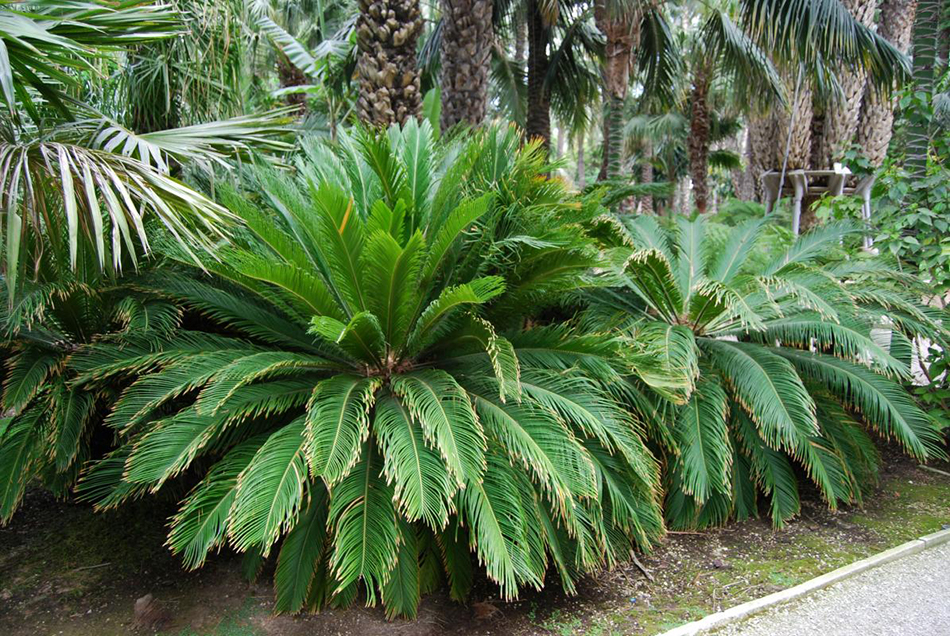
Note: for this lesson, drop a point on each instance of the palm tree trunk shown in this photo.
(538, 125)
(926, 27)
(620, 28)
(840, 121)
(698, 142)
(877, 111)
(387, 31)
(466, 55)
(289, 75)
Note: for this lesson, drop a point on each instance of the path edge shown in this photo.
(739, 612)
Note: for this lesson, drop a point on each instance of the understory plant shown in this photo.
(60, 309)
(776, 365)
(369, 393)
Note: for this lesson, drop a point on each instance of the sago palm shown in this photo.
(781, 365)
(60, 310)
(372, 391)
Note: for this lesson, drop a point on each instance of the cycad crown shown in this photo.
(758, 363)
(375, 400)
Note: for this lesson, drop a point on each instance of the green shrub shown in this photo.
(364, 398)
(776, 366)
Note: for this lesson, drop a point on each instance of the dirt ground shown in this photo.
(65, 570)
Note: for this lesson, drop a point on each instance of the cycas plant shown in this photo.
(60, 310)
(780, 364)
(378, 396)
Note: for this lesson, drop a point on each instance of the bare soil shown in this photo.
(67, 570)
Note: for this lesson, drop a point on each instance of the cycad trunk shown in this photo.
(926, 28)
(698, 142)
(538, 125)
(621, 32)
(387, 31)
(466, 50)
(840, 122)
(877, 111)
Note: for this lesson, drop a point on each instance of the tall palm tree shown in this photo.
(808, 40)
(877, 109)
(841, 113)
(620, 24)
(387, 32)
(722, 52)
(467, 38)
(562, 46)
(638, 38)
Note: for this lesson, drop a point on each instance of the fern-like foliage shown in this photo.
(364, 395)
(55, 314)
(755, 365)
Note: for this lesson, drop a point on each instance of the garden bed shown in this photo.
(65, 570)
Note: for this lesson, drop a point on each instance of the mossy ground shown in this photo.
(66, 570)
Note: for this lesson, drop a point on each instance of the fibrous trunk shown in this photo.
(698, 142)
(620, 30)
(877, 110)
(289, 75)
(926, 27)
(387, 31)
(538, 125)
(466, 50)
(840, 120)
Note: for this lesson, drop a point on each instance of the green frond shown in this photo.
(201, 522)
(768, 389)
(883, 404)
(20, 452)
(422, 486)
(442, 409)
(25, 374)
(337, 424)
(169, 447)
(300, 553)
(365, 531)
(270, 491)
(402, 590)
(393, 272)
(702, 439)
(495, 514)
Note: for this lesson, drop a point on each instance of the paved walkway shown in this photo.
(908, 597)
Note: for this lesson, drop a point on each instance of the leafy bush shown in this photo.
(364, 385)
(781, 367)
(55, 314)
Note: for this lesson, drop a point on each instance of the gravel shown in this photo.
(910, 596)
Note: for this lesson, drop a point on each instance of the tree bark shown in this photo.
(621, 30)
(926, 27)
(538, 125)
(698, 142)
(289, 75)
(466, 56)
(839, 122)
(387, 31)
(877, 110)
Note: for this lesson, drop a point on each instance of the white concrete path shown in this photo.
(907, 597)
